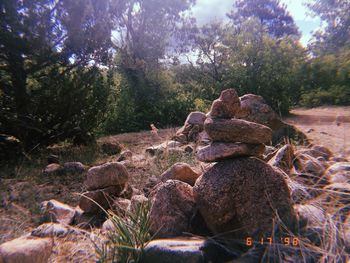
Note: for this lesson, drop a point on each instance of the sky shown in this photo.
(207, 10)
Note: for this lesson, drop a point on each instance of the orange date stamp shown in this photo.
(286, 241)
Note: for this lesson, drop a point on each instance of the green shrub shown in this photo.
(130, 235)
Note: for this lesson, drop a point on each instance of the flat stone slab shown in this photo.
(176, 250)
(237, 130)
(219, 151)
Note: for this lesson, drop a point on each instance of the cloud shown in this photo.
(209, 10)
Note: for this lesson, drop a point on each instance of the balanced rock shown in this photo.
(182, 172)
(241, 196)
(172, 208)
(236, 130)
(25, 249)
(217, 151)
(108, 174)
(226, 106)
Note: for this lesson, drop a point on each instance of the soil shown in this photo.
(327, 126)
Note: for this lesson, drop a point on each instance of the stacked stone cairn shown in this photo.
(240, 194)
(232, 137)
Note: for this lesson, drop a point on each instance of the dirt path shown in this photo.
(328, 126)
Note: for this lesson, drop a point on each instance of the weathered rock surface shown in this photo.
(103, 197)
(172, 208)
(313, 215)
(217, 151)
(337, 194)
(181, 172)
(255, 109)
(138, 201)
(283, 159)
(105, 175)
(314, 152)
(310, 167)
(226, 106)
(338, 172)
(191, 129)
(236, 130)
(108, 225)
(240, 196)
(323, 151)
(58, 212)
(121, 205)
(26, 250)
(54, 230)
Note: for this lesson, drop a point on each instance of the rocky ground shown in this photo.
(214, 177)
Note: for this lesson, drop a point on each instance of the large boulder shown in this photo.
(172, 208)
(226, 106)
(255, 109)
(105, 175)
(25, 249)
(240, 197)
(181, 172)
(236, 130)
(217, 151)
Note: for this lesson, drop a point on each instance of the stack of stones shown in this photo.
(232, 137)
(239, 196)
(104, 183)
